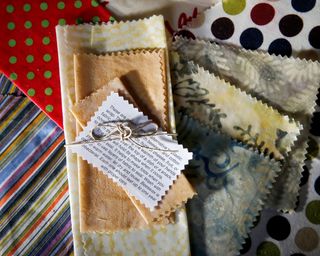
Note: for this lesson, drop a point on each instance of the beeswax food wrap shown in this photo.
(143, 74)
(146, 33)
(102, 202)
(231, 180)
(287, 84)
(196, 91)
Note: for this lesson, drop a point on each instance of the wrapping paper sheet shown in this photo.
(147, 33)
(28, 46)
(280, 27)
(35, 214)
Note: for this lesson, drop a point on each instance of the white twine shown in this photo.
(124, 130)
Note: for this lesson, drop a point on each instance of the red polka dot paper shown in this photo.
(288, 27)
(28, 47)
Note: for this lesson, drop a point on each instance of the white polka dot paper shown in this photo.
(294, 234)
(279, 27)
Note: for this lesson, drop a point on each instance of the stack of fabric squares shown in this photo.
(183, 128)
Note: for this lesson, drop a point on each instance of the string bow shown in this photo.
(124, 130)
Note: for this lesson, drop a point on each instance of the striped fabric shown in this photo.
(34, 205)
(7, 87)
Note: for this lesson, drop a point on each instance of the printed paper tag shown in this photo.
(144, 173)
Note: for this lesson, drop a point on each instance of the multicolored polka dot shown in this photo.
(47, 74)
(290, 25)
(45, 23)
(267, 249)
(48, 91)
(13, 60)
(13, 76)
(10, 8)
(314, 37)
(222, 28)
(31, 92)
(251, 38)
(313, 212)
(46, 40)
(30, 58)
(28, 24)
(307, 239)
(94, 3)
(61, 5)
(44, 6)
(234, 7)
(27, 7)
(95, 19)
(285, 28)
(12, 43)
(77, 4)
(11, 26)
(49, 108)
(262, 14)
(29, 41)
(281, 47)
(62, 22)
(47, 57)
(278, 227)
(303, 6)
(30, 75)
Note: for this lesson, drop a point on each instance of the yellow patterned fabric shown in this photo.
(146, 33)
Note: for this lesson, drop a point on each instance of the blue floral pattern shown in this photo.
(231, 181)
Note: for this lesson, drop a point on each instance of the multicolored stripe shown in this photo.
(34, 205)
(7, 87)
